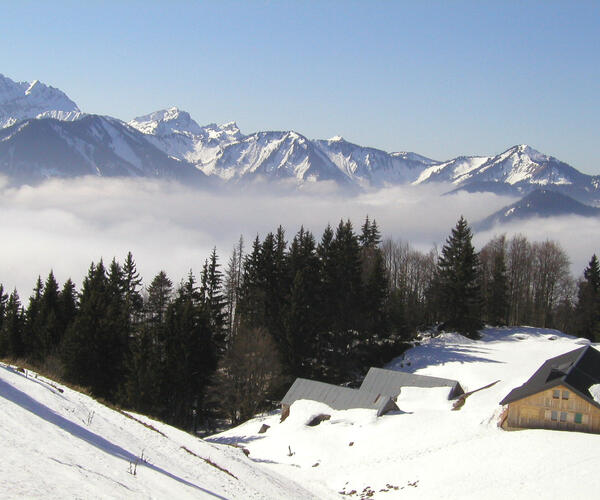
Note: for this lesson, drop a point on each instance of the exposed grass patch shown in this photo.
(209, 462)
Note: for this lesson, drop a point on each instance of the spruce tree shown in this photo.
(32, 341)
(190, 357)
(49, 328)
(587, 311)
(327, 306)
(11, 335)
(301, 311)
(457, 279)
(3, 301)
(145, 385)
(132, 284)
(215, 301)
(498, 291)
(67, 305)
(95, 346)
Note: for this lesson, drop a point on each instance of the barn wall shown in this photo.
(535, 411)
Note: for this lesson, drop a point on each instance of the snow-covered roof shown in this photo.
(338, 398)
(578, 369)
(390, 382)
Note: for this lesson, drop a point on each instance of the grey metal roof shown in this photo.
(390, 382)
(338, 398)
(578, 370)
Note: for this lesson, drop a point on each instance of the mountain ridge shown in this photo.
(171, 144)
(541, 203)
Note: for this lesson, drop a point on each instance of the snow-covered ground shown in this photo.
(428, 450)
(58, 443)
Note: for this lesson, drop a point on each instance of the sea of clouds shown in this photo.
(64, 225)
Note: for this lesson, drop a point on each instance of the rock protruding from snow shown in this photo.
(23, 100)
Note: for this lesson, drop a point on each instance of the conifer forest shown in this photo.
(225, 343)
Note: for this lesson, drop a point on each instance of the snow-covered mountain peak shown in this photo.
(166, 122)
(230, 127)
(23, 100)
(525, 151)
(336, 138)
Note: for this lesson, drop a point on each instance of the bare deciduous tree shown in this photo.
(247, 375)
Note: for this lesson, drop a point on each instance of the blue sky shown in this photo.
(438, 78)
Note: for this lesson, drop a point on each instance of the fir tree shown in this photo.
(190, 357)
(32, 343)
(457, 279)
(587, 312)
(147, 374)
(49, 330)
(95, 347)
(301, 314)
(215, 301)
(67, 305)
(3, 300)
(498, 291)
(132, 284)
(11, 335)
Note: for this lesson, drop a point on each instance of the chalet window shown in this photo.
(563, 416)
(565, 395)
(578, 418)
(554, 416)
(556, 394)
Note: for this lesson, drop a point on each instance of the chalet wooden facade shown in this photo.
(558, 395)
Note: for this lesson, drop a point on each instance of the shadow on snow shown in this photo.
(28, 403)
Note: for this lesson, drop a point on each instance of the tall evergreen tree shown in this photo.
(458, 284)
(49, 330)
(215, 301)
(67, 305)
(11, 335)
(301, 314)
(95, 347)
(498, 291)
(146, 381)
(587, 311)
(347, 321)
(132, 284)
(326, 308)
(3, 301)
(190, 357)
(252, 296)
(32, 343)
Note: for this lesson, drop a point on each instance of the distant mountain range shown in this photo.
(541, 203)
(44, 134)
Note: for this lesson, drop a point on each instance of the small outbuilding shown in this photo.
(336, 397)
(391, 382)
(564, 393)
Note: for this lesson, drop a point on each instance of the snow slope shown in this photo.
(428, 451)
(58, 443)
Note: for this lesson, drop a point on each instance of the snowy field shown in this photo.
(429, 451)
(58, 443)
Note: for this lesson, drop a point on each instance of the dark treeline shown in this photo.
(222, 345)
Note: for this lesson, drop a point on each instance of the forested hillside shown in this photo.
(226, 343)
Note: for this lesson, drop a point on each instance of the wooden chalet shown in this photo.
(557, 396)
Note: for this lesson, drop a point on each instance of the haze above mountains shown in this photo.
(44, 135)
